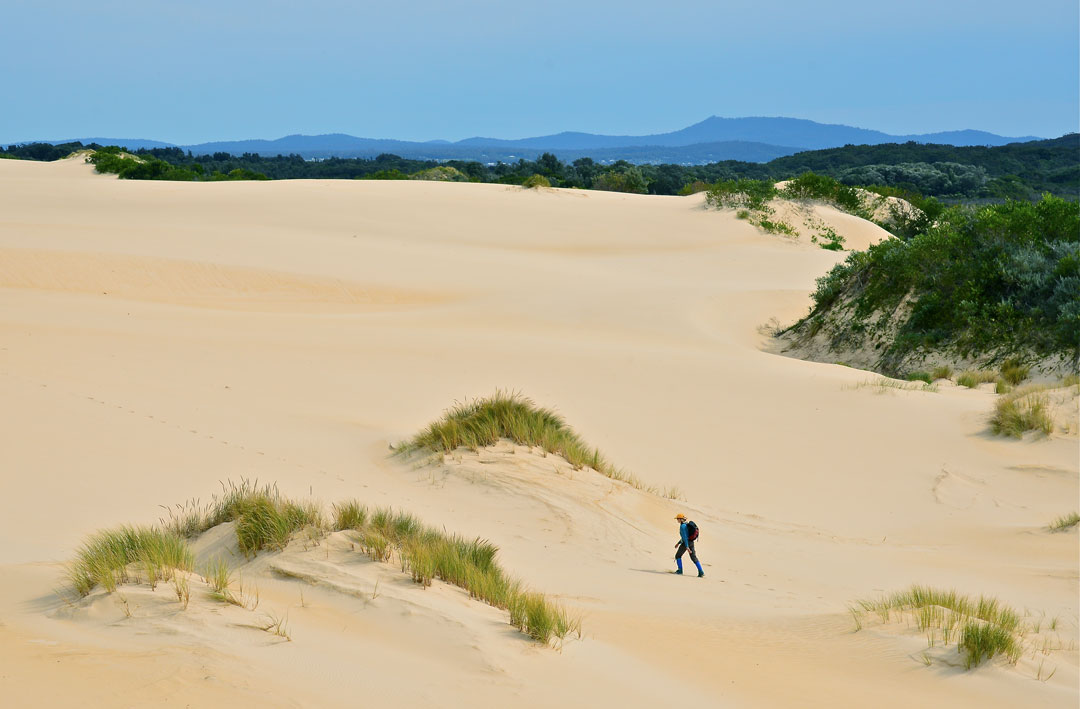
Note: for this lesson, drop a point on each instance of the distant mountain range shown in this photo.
(711, 140)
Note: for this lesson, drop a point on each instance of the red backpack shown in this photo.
(691, 530)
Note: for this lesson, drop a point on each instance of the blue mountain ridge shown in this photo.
(754, 139)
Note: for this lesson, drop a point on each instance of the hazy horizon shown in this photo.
(424, 71)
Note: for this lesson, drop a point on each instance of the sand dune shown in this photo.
(157, 338)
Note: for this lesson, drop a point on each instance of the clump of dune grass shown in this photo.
(1065, 522)
(884, 385)
(984, 641)
(942, 372)
(920, 377)
(1013, 372)
(974, 377)
(264, 518)
(427, 554)
(981, 628)
(484, 422)
(1025, 409)
(1070, 380)
(106, 557)
(349, 515)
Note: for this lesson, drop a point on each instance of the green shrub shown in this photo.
(811, 186)
(628, 179)
(536, 181)
(920, 377)
(996, 278)
(753, 195)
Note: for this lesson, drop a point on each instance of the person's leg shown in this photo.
(693, 558)
(678, 556)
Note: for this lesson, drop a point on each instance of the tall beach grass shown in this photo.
(112, 557)
(508, 415)
(427, 553)
(982, 628)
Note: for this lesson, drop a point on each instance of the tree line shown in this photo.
(1016, 171)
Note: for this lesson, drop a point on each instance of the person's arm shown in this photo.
(682, 533)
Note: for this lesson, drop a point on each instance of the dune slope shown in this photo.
(157, 338)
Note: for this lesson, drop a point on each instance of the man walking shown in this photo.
(688, 533)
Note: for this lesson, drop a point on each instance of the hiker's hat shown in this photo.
(680, 517)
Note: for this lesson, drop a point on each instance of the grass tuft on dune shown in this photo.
(982, 628)
(427, 554)
(1065, 522)
(104, 559)
(1025, 409)
(265, 519)
(484, 422)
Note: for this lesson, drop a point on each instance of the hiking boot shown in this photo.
(701, 574)
(679, 571)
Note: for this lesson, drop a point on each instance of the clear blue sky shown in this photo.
(187, 71)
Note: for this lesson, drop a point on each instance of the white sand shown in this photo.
(156, 338)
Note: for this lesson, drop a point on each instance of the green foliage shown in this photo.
(114, 160)
(1020, 411)
(920, 377)
(536, 181)
(628, 179)
(753, 195)
(104, 558)
(1017, 171)
(393, 174)
(828, 239)
(996, 278)
(440, 173)
(811, 186)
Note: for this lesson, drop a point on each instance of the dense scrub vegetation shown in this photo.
(992, 280)
(1019, 170)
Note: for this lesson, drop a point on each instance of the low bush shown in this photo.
(921, 377)
(980, 281)
(536, 181)
(753, 195)
(811, 186)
